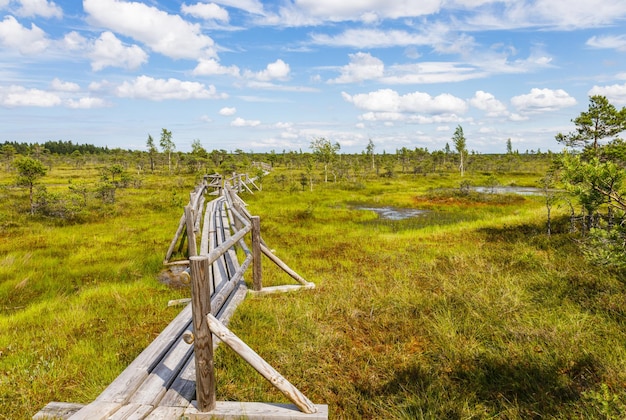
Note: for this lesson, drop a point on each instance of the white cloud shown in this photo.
(371, 38)
(557, 14)
(432, 72)
(365, 10)
(387, 100)
(62, 86)
(43, 8)
(167, 34)
(362, 66)
(15, 96)
(212, 67)
(542, 100)
(27, 41)
(73, 41)
(488, 103)
(609, 42)
(86, 103)
(144, 87)
(250, 6)
(227, 112)
(240, 122)
(209, 11)
(278, 70)
(616, 94)
(108, 51)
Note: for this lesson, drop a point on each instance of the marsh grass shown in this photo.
(471, 312)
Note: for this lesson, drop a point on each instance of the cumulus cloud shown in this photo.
(73, 41)
(240, 122)
(616, 94)
(166, 34)
(212, 67)
(62, 86)
(388, 100)
(487, 102)
(27, 41)
(543, 100)
(109, 51)
(43, 8)
(145, 87)
(86, 103)
(228, 111)
(208, 11)
(362, 66)
(15, 96)
(278, 70)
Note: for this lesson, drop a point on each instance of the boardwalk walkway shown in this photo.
(161, 382)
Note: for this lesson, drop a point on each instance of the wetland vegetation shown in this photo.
(469, 310)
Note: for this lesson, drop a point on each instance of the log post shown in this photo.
(203, 341)
(257, 276)
(191, 236)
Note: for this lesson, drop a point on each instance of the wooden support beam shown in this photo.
(229, 410)
(265, 369)
(257, 276)
(179, 231)
(203, 341)
(283, 266)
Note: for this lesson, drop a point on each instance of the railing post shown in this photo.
(191, 236)
(203, 341)
(257, 276)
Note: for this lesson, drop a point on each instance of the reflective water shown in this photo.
(509, 190)
(393, 213)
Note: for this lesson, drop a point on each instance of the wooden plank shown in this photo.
(230, 256)
(57, 410)
(166, 413)
(97, 410)
(183, 390)
(233, 410)
(204, 237)
(131, 412)
(164, 373)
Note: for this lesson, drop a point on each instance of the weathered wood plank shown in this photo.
(164, 373)
(57, 410)
(233, 410)
(166, 413)
(282, 289)
(97, 410)
(131, 412)
(204, 237)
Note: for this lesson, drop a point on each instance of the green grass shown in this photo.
(469, 312)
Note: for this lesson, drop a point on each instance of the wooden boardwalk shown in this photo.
(161, 382)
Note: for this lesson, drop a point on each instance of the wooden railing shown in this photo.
(159, 383)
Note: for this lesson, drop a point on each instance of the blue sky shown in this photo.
(274, 75)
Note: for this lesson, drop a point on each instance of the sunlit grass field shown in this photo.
(467, 311)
